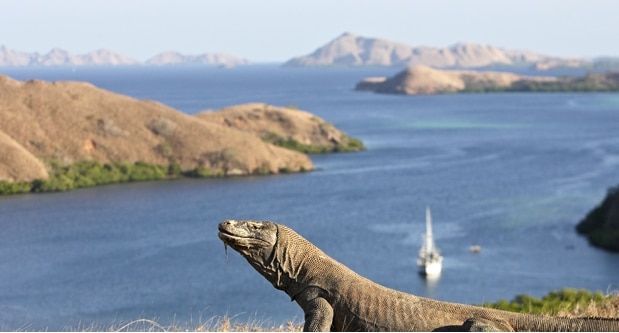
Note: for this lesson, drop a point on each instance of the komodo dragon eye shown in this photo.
(254, 226)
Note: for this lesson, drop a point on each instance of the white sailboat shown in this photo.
(430, 261)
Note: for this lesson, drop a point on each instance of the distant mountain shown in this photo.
(352, 50)
(60, 57)
(175, 58)
(103, 57)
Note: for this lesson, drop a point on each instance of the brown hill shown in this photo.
(281, 124)
(417, 80)
(71, 121)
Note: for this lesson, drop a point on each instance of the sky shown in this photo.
(277, 30)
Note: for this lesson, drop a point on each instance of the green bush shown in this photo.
(175, 170)
(142, 171)
(351, 144)
(202, 172)
(554, 302)
(14, 188)
(262, 170)
(90, 173)
(593, 82)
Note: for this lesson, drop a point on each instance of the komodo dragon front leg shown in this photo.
(318, 311)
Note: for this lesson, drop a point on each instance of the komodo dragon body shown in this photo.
(333, 297)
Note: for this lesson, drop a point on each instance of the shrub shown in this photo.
(90, 173)
(350, 144)
(162, 126)
(566, 300)
(14, 187)
(202, 172)
(174, 169)
(142, 171)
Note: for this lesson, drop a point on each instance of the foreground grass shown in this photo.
(564, 303)
(215, 324)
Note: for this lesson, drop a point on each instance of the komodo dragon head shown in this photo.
(274, 250)
(254, 240)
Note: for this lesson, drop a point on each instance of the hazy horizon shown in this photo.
(277, 30)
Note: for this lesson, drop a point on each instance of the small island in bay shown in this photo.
(423, 80)
(62, 135)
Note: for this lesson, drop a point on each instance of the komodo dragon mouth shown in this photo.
(242, 234)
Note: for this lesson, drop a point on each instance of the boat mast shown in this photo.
(429, 239)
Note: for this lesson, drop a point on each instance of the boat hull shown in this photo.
(431, 269)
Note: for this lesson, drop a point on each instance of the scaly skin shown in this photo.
(334, 298)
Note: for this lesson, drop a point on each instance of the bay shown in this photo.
(513, 173)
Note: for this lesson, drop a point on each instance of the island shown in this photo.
(423, 80)
(62, 135)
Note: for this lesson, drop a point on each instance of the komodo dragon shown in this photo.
(333, 297)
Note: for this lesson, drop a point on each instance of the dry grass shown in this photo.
(608, 309)
(214, 324)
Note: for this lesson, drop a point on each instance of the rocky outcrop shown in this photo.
(601, 225)
(422, 80)
(285, 126)
(352, 50)
(72, 121)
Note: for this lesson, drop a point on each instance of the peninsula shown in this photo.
(423, 80)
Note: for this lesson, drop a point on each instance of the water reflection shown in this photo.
(431, 283)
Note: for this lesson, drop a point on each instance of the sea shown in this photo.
(512, 173)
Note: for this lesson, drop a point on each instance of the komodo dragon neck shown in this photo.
(296, 264)
(333, 297)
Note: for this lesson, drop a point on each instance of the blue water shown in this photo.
(513, 173)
